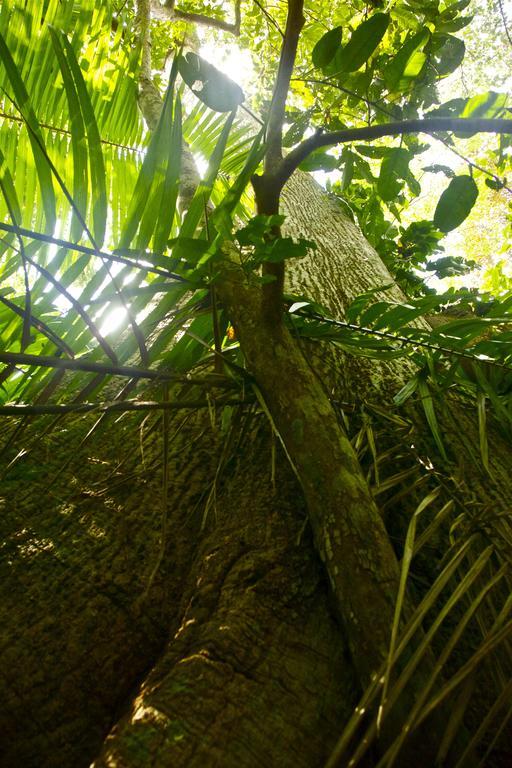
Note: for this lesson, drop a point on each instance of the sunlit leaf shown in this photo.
(456, 203)
(325, 49)
(362, 44)
(209, 84)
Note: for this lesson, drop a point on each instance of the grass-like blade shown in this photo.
(96, 161)
(169, 196)
(78, 137)
(428, 406)
(23, 103)
(203, 192)
(11, 199)
(143, 193)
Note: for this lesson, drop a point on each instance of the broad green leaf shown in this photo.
(447, 52)
(393, 171)
(407, 390)
(407, 63)
(202, 194)
(455, 203)
(326, 48)
(9, 193)
(154, 166)
(490, 104)
(319, 161)
(222, 215)
(169, 195)
(362, 44)
(216, 89)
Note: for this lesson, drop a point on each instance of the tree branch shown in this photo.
(379, 108)
(429, 125)
(142, 20)
(294, 24)
(266, 189)
(168, 12)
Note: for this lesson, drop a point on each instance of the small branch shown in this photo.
(168, 12)
(474, 165)
(39, 325)
(403, 340)
(504, 19)
(269, 17)
(65, 132)
(91, 251)
(430, 125)
(125, 405)
(44, 361)
(294, 24)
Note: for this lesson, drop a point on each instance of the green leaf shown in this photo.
(393, 171)
(196, 209)
(96, 162)
(406, 64)
(448, 172)
(297, 129)
(447, 52)
(326, 48)
(428, 406)
(362, 44)
(407, 390)
(490, 104)
(78, 139)
(319, 160)
(482, 429)
(169, 194)
(216, 89)
(154, 167)
(34, 133)
(455, 203)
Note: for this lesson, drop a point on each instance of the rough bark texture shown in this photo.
(236, 628)
(234, 656)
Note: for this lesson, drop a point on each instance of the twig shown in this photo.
(168, 12)
(65, 132)
(90, 251)
(39, 325)
(125, 405)
(269, 17)
(402, 339)
(44, 361)
(504, 18)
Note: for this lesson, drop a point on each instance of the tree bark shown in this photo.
(234, 655)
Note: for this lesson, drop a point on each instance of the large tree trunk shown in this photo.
(231, 654)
